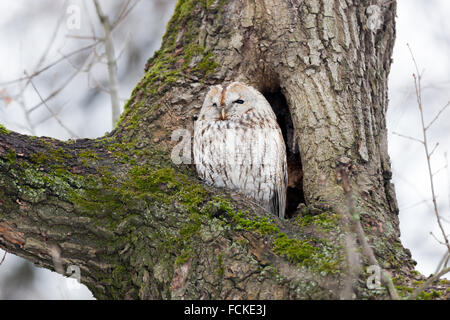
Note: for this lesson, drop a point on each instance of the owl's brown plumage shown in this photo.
(239, 145)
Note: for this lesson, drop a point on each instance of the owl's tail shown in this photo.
(277, 204)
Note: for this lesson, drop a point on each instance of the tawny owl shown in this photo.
(239, 145)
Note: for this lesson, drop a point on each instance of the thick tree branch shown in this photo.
(37, 178)
(137, 231)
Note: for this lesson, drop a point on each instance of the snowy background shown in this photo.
(28, 29)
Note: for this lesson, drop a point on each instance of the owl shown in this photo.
(238, 145)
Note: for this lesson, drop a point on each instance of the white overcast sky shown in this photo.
(424, 24)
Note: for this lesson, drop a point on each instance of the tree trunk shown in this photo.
(140, 225)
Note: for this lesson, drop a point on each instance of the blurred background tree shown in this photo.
(59, 45)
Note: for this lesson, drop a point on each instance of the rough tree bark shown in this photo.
(140, 226)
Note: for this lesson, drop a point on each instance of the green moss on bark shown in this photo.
(3, 130)
(181, 56)
(318, 254)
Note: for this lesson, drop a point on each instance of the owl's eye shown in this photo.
(215, 105)
(239, 101)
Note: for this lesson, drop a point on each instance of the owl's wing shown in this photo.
(280, 174)
(281, 191)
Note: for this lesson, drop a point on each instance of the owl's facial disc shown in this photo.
(227, 103)
(223, 107)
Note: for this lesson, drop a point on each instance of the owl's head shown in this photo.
(234, 102)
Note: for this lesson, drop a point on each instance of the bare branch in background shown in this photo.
(436, 238)
(63, 58)
(52, 39)
(70, 132)
(442, 268)
(439, 170)
(437, 116)
(57, 112)
(50, 80)
(443, 263)
(126, 9)
(64, 85)
(417, 85)
(111, 62)
(30, 126)
(432, 151)
(92, 58)
(408, 137)
(19, 97)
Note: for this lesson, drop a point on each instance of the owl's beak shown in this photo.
(223, 113)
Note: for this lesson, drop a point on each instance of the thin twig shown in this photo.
(434, 149)
(20, 96)
(438, 170)
(126, 45)
(123, 10)
(437, 116)
(408, 137)
(52, 38)
(436, 238)
(91, 25)
(26, 112)
(124, 13)
(3, 259)
(417, 85)
(443, 263)
(112, 64)
(64, 57)
(71, 133)
(57, 112)
(85, 37)
(96, 84)
(62, 87)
